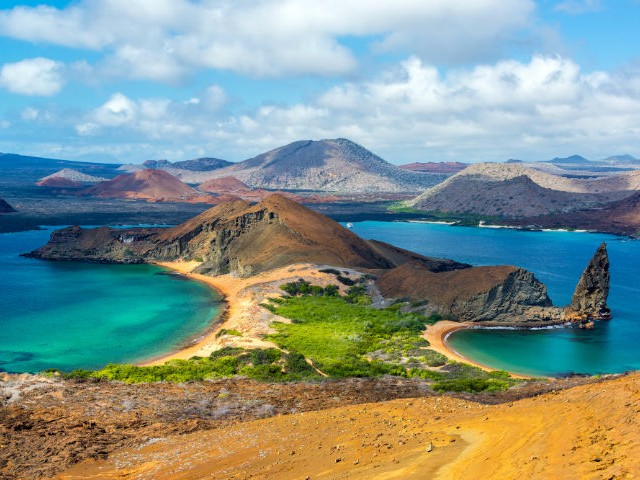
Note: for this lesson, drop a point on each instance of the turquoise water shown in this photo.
(557, 259)
(74, 315)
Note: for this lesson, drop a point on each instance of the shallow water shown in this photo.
(71, 315)
(557, 259)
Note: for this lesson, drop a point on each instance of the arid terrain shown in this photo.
(378, 428)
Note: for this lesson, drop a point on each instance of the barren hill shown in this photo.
(236, 237)
(68, 177)
(144, 184)
(515, 190)
(327, 165)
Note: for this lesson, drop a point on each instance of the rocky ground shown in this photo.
(48, 424)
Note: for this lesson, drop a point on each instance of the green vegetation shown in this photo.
(259, 364)
(340, 336)
(350, 339)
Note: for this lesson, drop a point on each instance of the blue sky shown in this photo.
(444, 80)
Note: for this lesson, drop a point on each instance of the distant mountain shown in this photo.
(156, 164)
(435, 167)
(573, 159)
(26, 170)
(205, 164)
(68, 177)
(338, 166)
(144, 184)
(5, 207)
(516, 191)
(513, 160)
(623, 159)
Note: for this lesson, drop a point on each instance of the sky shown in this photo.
(411, 80)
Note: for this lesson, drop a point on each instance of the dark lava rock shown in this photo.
(590, 297)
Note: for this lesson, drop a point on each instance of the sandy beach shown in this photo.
(437, 334)
(243, 313)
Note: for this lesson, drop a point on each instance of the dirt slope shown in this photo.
(586, 432)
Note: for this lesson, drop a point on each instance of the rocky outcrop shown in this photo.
(99, 245)
(589, 300)
(501, 294)
(5, 207)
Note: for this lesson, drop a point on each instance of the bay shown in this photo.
(557, 258)
(70, 315)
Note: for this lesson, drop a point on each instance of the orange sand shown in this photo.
(588, 432)
(244, 313)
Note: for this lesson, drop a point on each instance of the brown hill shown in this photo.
(5, 207)
(246, 239)
(235, 237)
(144, 184)
(435, 167)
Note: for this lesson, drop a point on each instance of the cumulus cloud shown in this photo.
(537, 109)
(165, 40)
(34, 76)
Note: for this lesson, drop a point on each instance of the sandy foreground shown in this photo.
(244, 314)
(587, 432)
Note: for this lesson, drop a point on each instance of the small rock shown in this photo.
(430, 447)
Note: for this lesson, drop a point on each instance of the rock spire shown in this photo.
(590, 297)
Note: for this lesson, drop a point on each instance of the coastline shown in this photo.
(242, 310)
(437, 335)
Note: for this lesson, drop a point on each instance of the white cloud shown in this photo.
(533, 110)
(34, 76)
(165, 40)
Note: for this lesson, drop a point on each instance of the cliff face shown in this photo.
(590, 297)
(484, 294)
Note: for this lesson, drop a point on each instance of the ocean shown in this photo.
(557, 258)
(70, 315)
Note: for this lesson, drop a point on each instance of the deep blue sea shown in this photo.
(557, 259)
(71, 315)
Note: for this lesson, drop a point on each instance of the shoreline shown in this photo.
(437, 335)
(242, 312)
